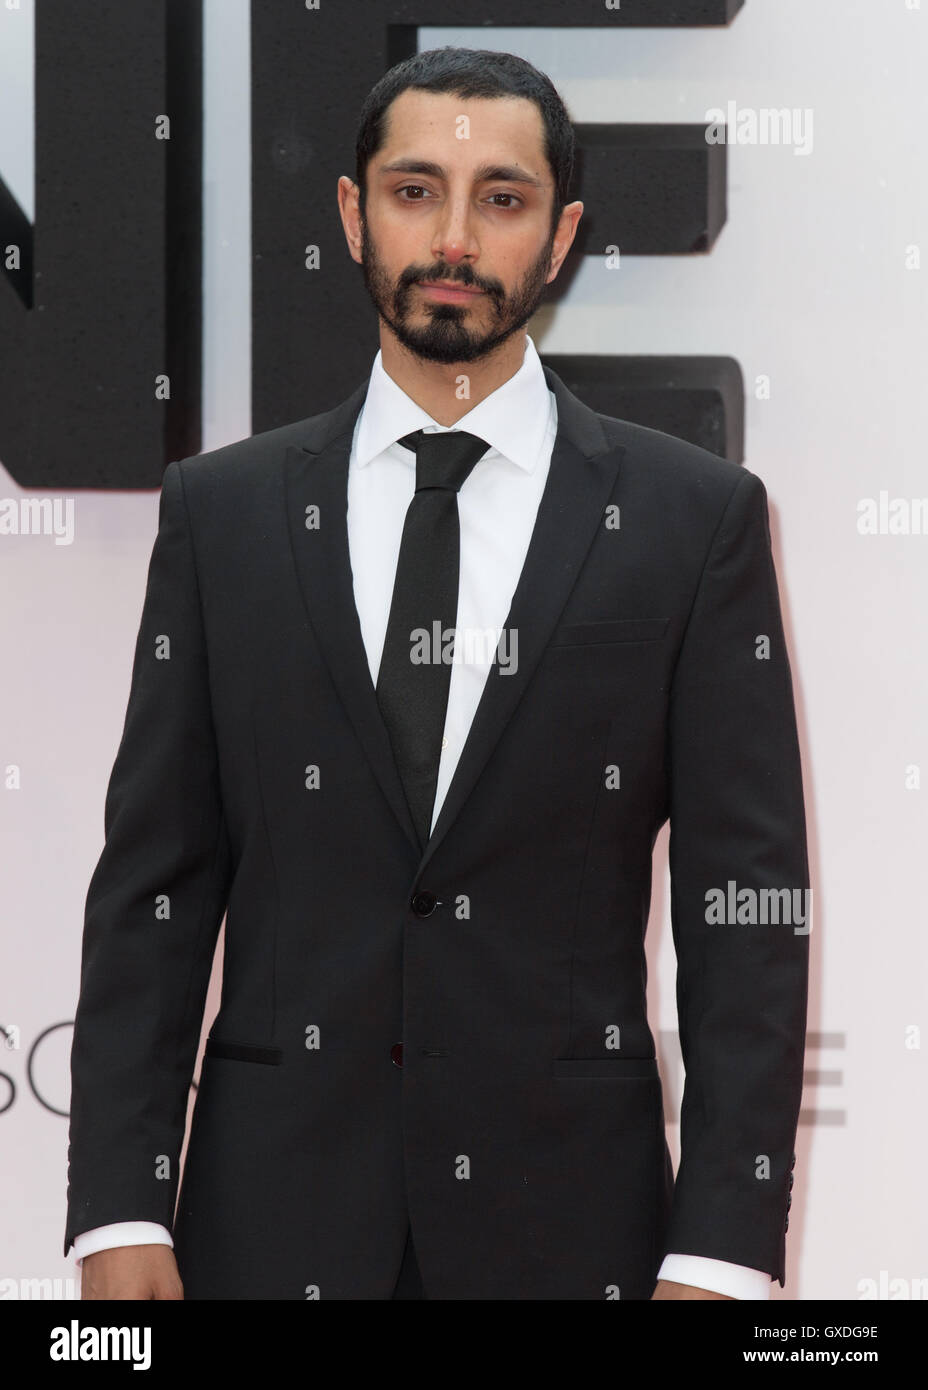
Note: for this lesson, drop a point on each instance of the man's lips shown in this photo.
(452, 294)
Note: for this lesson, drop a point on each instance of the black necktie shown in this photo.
(413, 692)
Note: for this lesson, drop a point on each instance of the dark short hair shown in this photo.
(471, 72)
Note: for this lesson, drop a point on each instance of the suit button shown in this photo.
(793, 1164)
(786, 1224)
(791, 1181)
(396, 1054)
(423, 903)
(789, 1200)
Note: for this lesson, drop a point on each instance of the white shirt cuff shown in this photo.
(718, 1276)
(120, 1233)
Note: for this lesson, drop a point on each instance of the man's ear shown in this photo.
(564, 236)
(350, 213)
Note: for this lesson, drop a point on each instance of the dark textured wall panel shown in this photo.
(654, 190)
(637, 14)
(114, 295)
(700, 399)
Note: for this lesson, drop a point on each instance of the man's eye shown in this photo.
(417, 188)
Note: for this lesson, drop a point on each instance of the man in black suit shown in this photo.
(431, 1073)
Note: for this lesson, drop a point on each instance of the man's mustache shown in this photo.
(466, 282)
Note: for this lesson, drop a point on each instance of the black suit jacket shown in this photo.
(523, 1135)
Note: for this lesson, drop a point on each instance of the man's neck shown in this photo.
(449, 390)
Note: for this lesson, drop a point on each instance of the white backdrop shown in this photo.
(815, 287)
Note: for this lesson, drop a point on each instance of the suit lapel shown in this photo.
(579, 485)
(317, 477)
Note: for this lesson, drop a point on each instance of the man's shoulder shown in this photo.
(689, 486)
(247, 459)
(668, 459)
(253, 459)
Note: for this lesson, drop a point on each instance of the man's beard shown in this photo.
(445, 335)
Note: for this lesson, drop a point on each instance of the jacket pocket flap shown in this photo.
(243, 1052)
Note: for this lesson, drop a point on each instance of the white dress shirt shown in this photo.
(497, 506)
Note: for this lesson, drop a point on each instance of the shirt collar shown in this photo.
(513, 419)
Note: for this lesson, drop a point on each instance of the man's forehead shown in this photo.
(414, 105)
(502, 131)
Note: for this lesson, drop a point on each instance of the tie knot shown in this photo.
(444, 459)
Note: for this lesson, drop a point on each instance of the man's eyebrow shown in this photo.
(504, 173)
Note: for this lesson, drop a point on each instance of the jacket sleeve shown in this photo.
(740, 909)
(153, 909)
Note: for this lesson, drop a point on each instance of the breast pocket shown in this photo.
(609, 630)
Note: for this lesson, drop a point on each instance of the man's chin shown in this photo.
(443, 357)
(442, 351)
